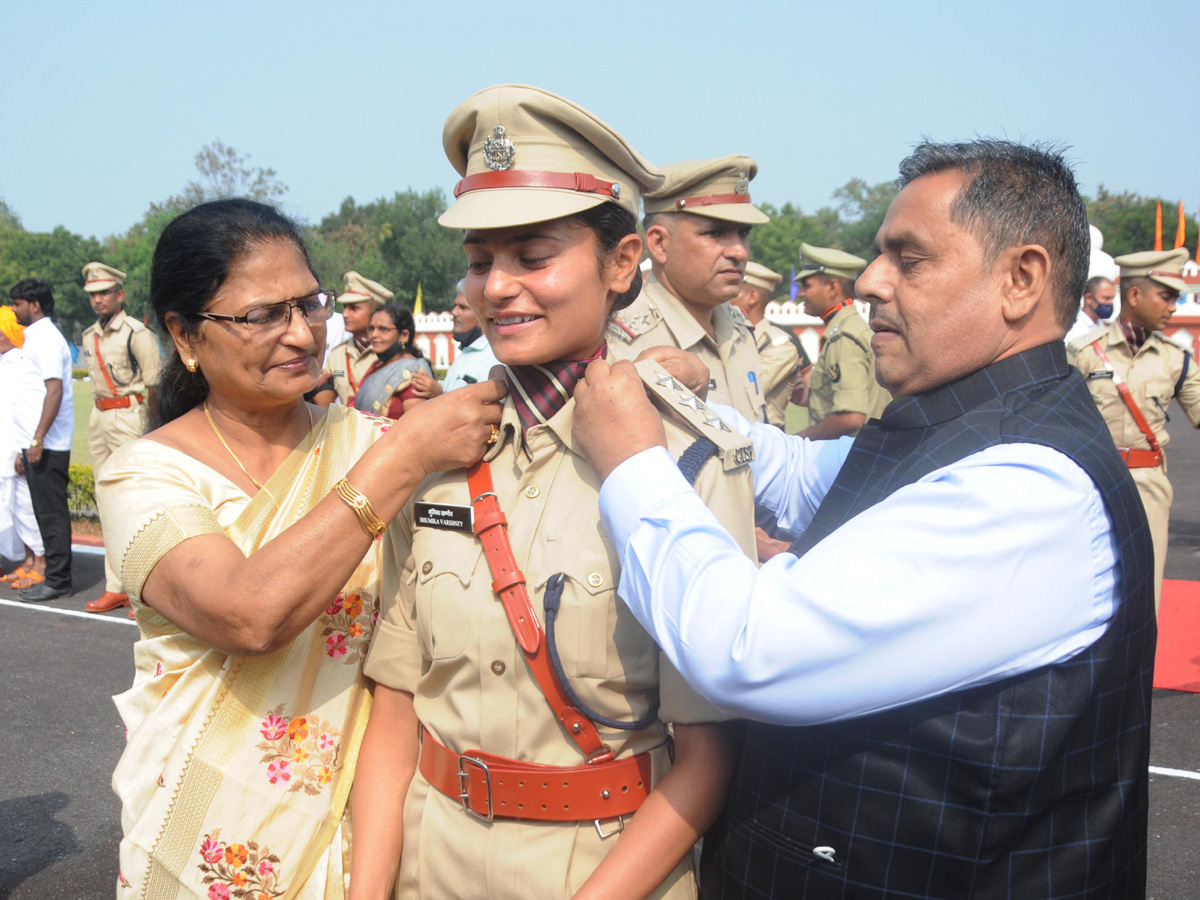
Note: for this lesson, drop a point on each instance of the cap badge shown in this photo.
(498, 150)
(743, 183)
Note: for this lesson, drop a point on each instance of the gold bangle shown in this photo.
(358, 502)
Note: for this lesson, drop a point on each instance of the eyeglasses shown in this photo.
(315, 308)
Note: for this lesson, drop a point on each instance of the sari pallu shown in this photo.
(381, 384)
(237, 769)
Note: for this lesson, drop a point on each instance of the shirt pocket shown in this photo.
(597, 636)
(446, 590)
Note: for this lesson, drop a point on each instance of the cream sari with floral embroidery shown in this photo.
(236, 771)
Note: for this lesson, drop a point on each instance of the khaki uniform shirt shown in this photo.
(657, 318)
(843, 378)
(444, 637)
(780, 361)
(131, 361)
(348, 366)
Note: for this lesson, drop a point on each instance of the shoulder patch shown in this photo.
(634, 320)
(733, 448)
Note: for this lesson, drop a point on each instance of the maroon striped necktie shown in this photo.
(538, 392)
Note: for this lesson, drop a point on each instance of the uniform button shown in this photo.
(498, 668)
(595, 579)
(427, 568)
(532, 491)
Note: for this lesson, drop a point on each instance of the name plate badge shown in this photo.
(446, 516)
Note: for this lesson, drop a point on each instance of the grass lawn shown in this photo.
(83, 408)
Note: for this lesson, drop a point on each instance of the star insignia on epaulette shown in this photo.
(691, 401)
(714, 421)
(664, 380)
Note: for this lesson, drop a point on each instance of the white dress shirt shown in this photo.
(471, 365)
(50, 357)
(995, 565)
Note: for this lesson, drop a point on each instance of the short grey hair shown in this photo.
(1016, 194)
(460, 286)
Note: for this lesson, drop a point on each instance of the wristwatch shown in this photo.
(35, 443)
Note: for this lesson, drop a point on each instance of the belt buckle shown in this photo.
(607, 834)
(465, 794)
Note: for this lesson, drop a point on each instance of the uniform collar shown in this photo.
(559, 428)
(683, 325)
(115, 322)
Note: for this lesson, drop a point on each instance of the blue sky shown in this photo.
(105, 106)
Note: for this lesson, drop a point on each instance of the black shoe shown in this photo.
(40, 592)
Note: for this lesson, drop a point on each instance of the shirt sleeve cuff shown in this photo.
(636, 487)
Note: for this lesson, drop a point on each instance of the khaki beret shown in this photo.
(717, 188)
(527, 155)
(1163, 266)
(359, 289)
(98, 277)
(827, 261)
(760, 276)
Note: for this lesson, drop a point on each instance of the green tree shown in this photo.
(57, 256)
(9, 220)
(1127, 221)
(225, 173)
(396, 242)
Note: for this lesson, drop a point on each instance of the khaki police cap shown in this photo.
(98, 277)
(359, 289)
(827, 261)
(1163, 266)
(527, 155)
(759, 276)
(717, 188)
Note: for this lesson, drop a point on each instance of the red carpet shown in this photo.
(1177, 664)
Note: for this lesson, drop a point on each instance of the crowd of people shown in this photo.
(585, 603)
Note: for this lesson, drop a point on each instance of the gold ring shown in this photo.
(494, 436)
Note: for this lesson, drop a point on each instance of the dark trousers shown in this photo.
(48, 491)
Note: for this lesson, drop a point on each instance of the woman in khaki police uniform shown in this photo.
(558, 800)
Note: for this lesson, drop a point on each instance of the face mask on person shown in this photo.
(1104, 310)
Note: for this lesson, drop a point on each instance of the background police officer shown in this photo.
(779, 352)
(698, 237)
(1133, 373)
(122, 357)
(349, 362)
(843, 392)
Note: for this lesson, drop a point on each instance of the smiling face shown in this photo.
(701, 260)
(255, 368)
(383, 333)
(539, 291)
(934, 301)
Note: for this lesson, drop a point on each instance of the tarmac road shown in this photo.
(60, 735)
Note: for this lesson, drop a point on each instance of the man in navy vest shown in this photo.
(963, 711)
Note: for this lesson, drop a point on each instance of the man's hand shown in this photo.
(614, 419)
(768, 546)
(18, 465)
(683, 366)
(33, 455)
(425, 386)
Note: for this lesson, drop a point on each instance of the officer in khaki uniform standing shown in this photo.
(698, 237)
(779, 353)
(350, 360)
(122, 357)
(843, 392)
(1134, 372)
(549, 805)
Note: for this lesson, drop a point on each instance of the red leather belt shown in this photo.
(495, 787)
(118, 402)
(1140, 459)
(711, 200)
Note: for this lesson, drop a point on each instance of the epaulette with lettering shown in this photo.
(684, 407)
(633, 321)
(1092, 334)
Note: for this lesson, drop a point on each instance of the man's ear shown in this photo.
(1025, 281)
(658, 240)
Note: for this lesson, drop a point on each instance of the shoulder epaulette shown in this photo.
(733, 448)
(739, 317)
(838, 332)
(135, 324)
(1092, 334)
(634, 320)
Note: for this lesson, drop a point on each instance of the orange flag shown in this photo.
(1158, 228)
(1180, 234)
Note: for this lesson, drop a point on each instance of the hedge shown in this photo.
(81, 492)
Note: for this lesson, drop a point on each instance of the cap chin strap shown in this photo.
(580, 182)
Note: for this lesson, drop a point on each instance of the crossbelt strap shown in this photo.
(103, 368)
(508, 582)
(496, 786)
(1127, 396)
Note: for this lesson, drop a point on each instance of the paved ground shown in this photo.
(60, 736)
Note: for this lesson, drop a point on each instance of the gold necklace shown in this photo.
(221, 438)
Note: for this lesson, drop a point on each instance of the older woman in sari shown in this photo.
(245, 526)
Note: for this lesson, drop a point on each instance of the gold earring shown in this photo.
(190, 365)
